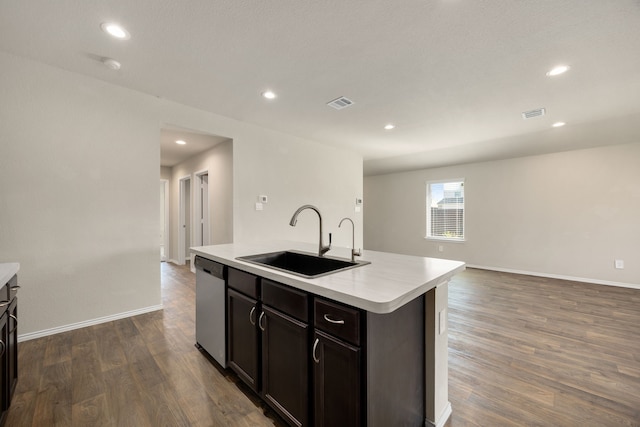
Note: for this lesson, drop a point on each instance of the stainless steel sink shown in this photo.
(302, 264)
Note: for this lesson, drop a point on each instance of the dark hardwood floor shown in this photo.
(524, 351)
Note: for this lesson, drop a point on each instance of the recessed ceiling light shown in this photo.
(269, 94)
(111, 64)
(180, 142)
(389, 126)
(115, 30)
(558, 124)
(556, 71)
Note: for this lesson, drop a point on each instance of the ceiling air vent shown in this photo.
(340, 103)
(533, 113)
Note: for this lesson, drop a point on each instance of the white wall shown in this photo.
(567, 214)
(165, 172)
(291, 171)
(79, 193)
(218, 161)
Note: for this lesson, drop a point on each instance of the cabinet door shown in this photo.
(243, 337)
(4, 390)
(12, 348)
(285, 363)
(337, 382)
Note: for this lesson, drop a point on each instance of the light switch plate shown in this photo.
(262, 199)
(619, 264)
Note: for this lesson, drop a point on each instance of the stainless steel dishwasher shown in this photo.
(210, 308)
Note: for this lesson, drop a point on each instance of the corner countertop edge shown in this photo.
(7, 271)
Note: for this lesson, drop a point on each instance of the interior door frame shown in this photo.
(167, 221)
(182, 217)
(198, 205)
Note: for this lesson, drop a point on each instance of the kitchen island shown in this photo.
(8, 335)
(384, 323)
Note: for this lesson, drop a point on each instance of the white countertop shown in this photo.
(389, 282)
(7, 270)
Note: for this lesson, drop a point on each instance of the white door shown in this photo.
(202, 237)
(164, 219)
(184, 242)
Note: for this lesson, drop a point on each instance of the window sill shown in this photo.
(444, 239)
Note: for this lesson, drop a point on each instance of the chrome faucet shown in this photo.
(354, 252)
(322, 249)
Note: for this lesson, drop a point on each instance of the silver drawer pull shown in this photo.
(15, 323)
(313, 353)
(330, 320)
(4, 303)
(252, 319)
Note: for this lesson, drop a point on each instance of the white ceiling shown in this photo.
(172, 153)
(453, 75)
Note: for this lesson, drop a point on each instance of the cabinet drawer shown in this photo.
(12, 287)
(337, 320)
(246, 283)
(9, 290)
(287, 300)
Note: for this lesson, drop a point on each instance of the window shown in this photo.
(445, 210)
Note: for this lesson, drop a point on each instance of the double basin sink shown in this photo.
(302, 264)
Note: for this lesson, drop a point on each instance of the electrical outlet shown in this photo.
(259, 206)
(619, 263)
(440, 248)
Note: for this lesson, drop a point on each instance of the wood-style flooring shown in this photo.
(143, 371)
(523, 351)
(530, 351)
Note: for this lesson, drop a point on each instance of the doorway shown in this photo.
(184, 240)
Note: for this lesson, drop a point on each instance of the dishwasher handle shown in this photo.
(213, 268)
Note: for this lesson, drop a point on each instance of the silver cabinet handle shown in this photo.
(260, 321)
(251, 318)
(4, 303)
(4, 347)
(15, 288)
(313, 352)
(330, 320)
(15, 324)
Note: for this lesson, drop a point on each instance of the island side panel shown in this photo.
(395, 366)
(438, 407)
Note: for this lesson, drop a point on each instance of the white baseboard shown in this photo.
(558, 276)
(105, 319)
(442, 419)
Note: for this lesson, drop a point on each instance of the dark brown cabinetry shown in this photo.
(285, 351)
(337, 384)
(243, 337)
(337, 364)
(8, 344)
(268, 342)
(318, 362)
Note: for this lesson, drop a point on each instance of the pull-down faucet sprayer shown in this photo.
(322, 249)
